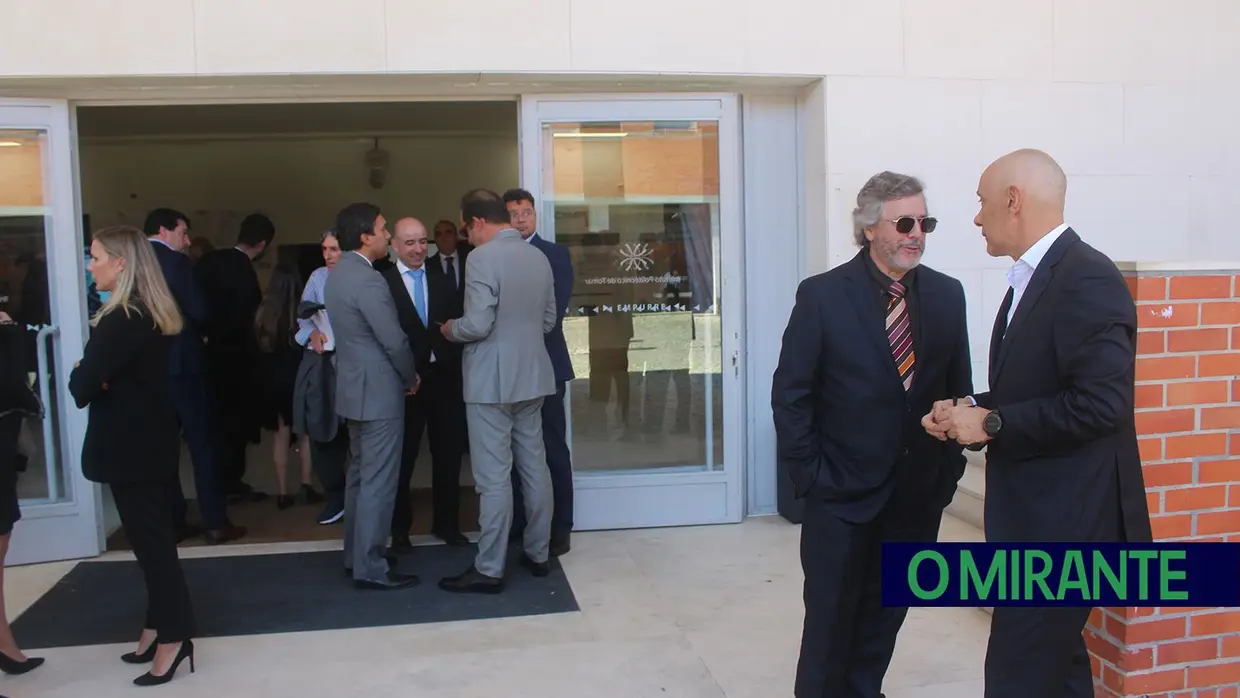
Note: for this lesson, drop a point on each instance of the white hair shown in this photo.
(882, 187)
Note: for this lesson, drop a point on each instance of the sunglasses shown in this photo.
(905, 224)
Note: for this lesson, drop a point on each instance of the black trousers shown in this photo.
(10, 511)
(849, 636)
(232, 377)
(146, 514)
(559, 462)
(330, 460)
(196, 411)
(437, 408)
(1037, 652)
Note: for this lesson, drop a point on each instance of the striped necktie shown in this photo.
(900, 333)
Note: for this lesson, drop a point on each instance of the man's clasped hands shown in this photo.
(956, 419)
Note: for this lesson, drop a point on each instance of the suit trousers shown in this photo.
(849, 636)
(195, 410)
(146, 514)
(438, 409)
(501, 436)
(1036, 652)
(560, 465)
(370, 494)
(331, 462)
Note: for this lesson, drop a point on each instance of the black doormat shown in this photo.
(105, 602)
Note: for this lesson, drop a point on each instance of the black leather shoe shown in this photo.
(455, 539)
(471, 581)
(223, 535)
(390, 559)
(187, 531)
(395, 580)
(400, 546)
(561, 544)
(539, 569)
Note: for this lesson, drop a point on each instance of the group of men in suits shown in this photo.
(473, 342)
(873, 405)
(213, 362)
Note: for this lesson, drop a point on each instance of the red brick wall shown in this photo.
(1188, 420)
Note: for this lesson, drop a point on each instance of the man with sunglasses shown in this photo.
(870, 346)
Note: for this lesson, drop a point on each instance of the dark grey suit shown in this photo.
(374, 369)
(509, 306)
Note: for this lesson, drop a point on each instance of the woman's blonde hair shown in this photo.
(140, 281)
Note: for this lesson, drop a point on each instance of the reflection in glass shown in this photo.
(637, 204)
(25, 295)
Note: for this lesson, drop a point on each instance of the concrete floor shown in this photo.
(683, 613)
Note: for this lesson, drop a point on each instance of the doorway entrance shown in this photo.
(298, 164)
(644, 190)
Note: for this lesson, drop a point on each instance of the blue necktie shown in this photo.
(419, 294)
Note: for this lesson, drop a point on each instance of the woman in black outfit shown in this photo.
(275, 326)
(17, 401)
(132, 436)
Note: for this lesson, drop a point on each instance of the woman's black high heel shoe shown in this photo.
(186, 652)
(13, 667)
(145, 657)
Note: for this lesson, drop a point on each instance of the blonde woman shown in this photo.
(132, 435)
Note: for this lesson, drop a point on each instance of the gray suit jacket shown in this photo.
(509, 306)
(374, 365)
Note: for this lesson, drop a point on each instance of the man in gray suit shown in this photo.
(374, 372)
(509, 306)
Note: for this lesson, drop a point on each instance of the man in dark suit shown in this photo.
(168, 231)
(870, 346)
(1057, 421)
(449, 256)
(425, 299)
(555, 422)
(233, 295)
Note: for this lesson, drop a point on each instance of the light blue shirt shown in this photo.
(416, 286)
(313, 293)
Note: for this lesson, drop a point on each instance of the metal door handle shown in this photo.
(45, 394)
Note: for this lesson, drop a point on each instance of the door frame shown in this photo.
(658, 497)
(70, 528)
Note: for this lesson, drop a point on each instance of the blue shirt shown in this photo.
(313, 293)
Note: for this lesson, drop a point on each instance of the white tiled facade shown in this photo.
(1138, 99)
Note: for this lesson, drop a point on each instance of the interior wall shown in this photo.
(300, 183)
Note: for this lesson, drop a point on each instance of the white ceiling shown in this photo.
(499, 117)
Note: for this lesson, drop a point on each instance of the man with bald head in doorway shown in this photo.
(1057, 420)
(425, 300)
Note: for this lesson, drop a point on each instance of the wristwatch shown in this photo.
(992, 423)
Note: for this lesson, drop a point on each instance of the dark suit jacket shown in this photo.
(1065, 466)
(132, 433)
(442, 305)
(846, 430)
(230, 285)
(435, 262)
(562, 270)
(187, 350)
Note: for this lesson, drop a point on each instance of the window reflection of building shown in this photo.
(637, 205)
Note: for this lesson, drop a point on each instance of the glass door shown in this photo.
(645, 194)
(43, 290)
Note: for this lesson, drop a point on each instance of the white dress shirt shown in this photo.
(407, 278)
(1022, 271)
(456, 264)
